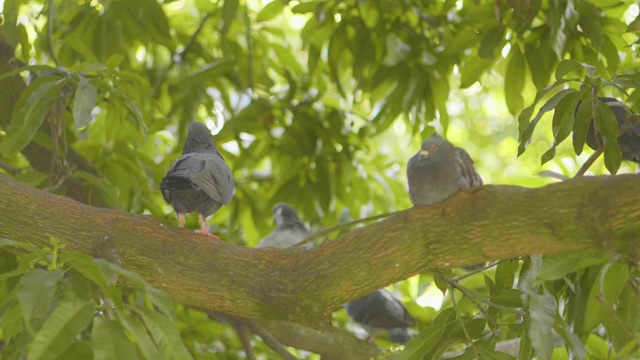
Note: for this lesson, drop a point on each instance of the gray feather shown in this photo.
(290, 230)
(379, 310)
(200, 180)
(438, 171)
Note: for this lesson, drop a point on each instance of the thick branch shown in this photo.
(305, 286)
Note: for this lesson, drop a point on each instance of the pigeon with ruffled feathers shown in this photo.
(289, 231)
(382, 311)
(438, 171)
(200, 180)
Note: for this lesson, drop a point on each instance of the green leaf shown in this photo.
(209, 72)
(165, 334)
(270, 11)
(91, 269)
(508, 297)
(608, 286)
(79, 349)
(548, 155)
(12, 323)
(568, 65)
(139, 332)
(542, 312)
(110, 342)
(562, 124)
(492, 42)
(337, 47)
(35, 101)
(66, 321)
(114, 61)
(441, 284)
(229, 9)
(305, 7)
(505, 273)
(572, 341)
(526, 131)
(471, 71)
(607, 124)
(429, 338)
(160, 299)
(538, 61)
(35, 291)
(557, 266)
(581, 123)
(592, 29)
(396, 50)
(556, 21)
(84, 102)
(25, 246)
(514, 81)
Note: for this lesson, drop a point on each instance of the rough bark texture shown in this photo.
(305, 286)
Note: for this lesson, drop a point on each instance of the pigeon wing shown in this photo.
(179, 174)
(214, 177)
(465, 166)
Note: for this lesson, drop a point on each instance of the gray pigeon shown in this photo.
(381, 310)
(438, 171)
(290, 230)
(200, 180)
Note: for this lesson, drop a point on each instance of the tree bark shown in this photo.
(305, 286)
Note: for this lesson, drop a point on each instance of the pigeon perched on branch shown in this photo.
(289, 231)
(382, 311)
(438, 171)
(200, 180)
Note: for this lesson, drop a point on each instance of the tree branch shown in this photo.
(306, 285)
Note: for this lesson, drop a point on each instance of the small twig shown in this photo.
(241, 330)
(342, 226)
(471, 273)
(271, 341)
(588, 163)
(471, 296)
(464, 328)
(182, 54)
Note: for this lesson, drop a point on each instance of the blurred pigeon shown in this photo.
(438, 171)
(290, 230)
(629, 138)
(381, 310)
(200, 180)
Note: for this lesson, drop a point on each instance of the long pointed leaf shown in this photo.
(67, 320)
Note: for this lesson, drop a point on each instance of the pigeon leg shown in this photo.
(372, 339)
(180, 220)
(203, 229)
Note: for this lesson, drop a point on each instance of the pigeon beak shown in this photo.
(423, 154)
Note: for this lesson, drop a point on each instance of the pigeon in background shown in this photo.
(629, 138)
(438, 171)
(290, 230)
(200, 180)
(381, 310)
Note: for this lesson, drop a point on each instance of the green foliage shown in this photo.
(75, 309)
(319, 104)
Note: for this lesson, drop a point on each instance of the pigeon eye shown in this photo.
(433, 148)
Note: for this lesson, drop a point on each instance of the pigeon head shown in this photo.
(198, 138)
(283, 213)
(434, 148)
